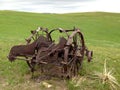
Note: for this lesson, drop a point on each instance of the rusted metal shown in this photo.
(64, 58)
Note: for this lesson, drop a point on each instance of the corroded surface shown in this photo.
(63, 59)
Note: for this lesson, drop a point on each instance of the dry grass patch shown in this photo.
(107, 77)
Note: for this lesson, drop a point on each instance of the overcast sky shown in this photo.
(61, 6)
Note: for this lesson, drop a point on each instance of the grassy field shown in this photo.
(102, 35)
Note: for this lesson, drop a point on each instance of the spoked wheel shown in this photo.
(72, 68)
(74, 53)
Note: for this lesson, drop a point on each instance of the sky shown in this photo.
(61, 6)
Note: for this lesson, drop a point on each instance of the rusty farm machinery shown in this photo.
(63, 58)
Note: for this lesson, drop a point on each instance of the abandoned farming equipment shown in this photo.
(63, 59)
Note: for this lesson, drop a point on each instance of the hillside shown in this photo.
(97, 27)
(101, 31)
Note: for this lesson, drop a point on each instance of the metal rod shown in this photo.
(23, 59)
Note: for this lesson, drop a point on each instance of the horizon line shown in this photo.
(61, 13)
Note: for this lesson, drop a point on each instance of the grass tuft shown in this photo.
(77, 81)
(107, 77)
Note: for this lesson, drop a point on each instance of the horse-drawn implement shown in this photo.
(63, 59)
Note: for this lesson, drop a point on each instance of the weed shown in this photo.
(107, 77)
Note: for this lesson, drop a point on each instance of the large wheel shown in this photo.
(74, 53)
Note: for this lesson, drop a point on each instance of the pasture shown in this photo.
(101, 32)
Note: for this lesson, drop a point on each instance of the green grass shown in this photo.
(102, 35)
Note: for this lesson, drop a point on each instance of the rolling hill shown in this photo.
(101, 31)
